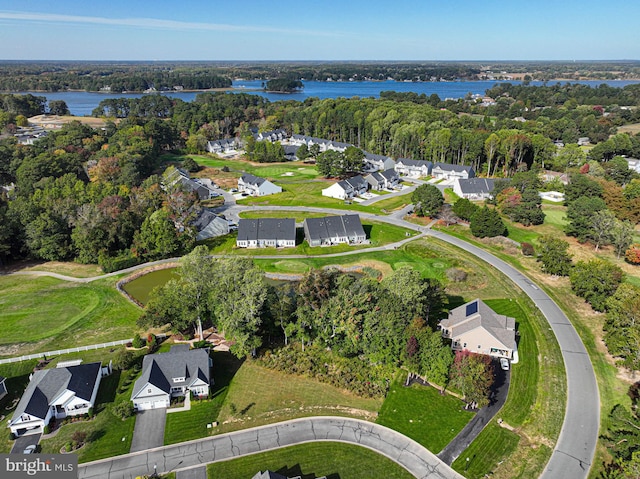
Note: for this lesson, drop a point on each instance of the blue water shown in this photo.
(83, 103)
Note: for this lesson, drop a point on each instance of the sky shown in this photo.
(393, 30)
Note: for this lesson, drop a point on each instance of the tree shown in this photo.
(302, 153)
(486, 222)
(58, 107)
(622, 325)
(286, 85)
(464, 209)
(436, 357)
(581, 185)
(427, 200)
(602, 224)
(529, 212)
(159, 238)
(418, 296)
(49, 237)
(552, 253)
(281, 303)
(197, 274)
(353, 159)
(472, 375)
(595, 281)
(621, 236)
(579, 216)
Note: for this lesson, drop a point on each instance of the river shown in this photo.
(82, 103)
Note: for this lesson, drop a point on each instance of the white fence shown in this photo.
(64, 351)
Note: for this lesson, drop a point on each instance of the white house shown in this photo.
(266, 232)
(225, 145)
(334, 230)
(179, 372)
(473, 188)
(374, 162)
(448, 171)
(383, 179)
(413, 168)
(56, 393)
(475, 327)
(257, 186)
(347, 189)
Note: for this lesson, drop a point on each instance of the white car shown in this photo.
(504, 364)
(30, 449)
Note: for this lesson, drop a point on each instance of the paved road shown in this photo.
(404, 451)
(148, 433)
(199, 472)
(573, 453)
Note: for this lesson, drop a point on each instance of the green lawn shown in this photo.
(17, 375)
(83, 313)
(330, 459)
(423, 414)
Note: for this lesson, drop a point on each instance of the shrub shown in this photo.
(152, 342)
(123, 360)
(633, 254)
(527, 249)
(190, 165)
(200, 344)
(123, 410)
(137, 342)
(79, 437)
(123, 260)
(456, 275)
(67, 447)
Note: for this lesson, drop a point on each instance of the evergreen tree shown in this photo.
(552, 253)
(486, 222)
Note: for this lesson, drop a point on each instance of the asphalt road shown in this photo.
(409, 454)
(573, 454)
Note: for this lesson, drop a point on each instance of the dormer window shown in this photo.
(178, 380)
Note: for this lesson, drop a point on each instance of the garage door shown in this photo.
(160, 404)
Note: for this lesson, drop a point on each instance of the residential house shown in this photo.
(374, 162)
(413, 168)
(323, 144)
(203, 187)
(554, 196)
(176, 373)
(266, 232)
(210, 225)
(475, 327)
(273, 135)
(548, 175)
(225, 145)
(347, 189)
(3, 387)
(290, 152)
(383, 179)
(332, 230)
(257, 186)
(634, 164)
(474, 188)
(584, 141)
(56, 393)
(448, 171)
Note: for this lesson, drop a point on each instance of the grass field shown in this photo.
(423, 414)
(83, 313)
(318, 459)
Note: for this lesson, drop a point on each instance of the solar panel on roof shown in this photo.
(472, 308)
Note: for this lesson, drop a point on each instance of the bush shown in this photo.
(527, 249)
(152, 342)
(79, 437)
(123, 360)
(137, 342)
(456, 275)
(125, 259)
(190, 165)
(68, 446)
(200, 344)
(633, 254)
(123, 410)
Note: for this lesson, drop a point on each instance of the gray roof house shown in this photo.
(210, 225)
(266, 232)
(413, 168)
(347, 189)
(373, 162)
(56, 393)
(290, 152)
(475, 327)
(383, 179)
(202, 187)
(332, 230)
(448, 171)
(176, 373)
(225, 145)
(257, 186)
(473, 188)
(273, 135)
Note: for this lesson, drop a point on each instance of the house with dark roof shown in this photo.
(347, 189)
(56, 393)
(3, 387)
(273, 135)
(290, 152)
(373, 162)
(476, 327)
(474, 188)
(331, 230)
(413, 168)
(179, 372)
(204, 188)
(379, 180)
(225, 145)
(209, 225)
(257, 186)
(447, 171)
(266, 232)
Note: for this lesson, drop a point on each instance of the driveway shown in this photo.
(148, 432)
(22, 442)
(498, 395)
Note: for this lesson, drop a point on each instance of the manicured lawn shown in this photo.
(258, 396)
(330, 459)
(423, 414)
(17, 375)
(83, 313)
(393, 203)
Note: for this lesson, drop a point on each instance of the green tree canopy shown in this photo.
(427, 200)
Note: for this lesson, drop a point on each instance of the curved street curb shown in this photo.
(405, 452)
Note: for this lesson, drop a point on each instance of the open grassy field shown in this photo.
(83, 313)
(423, 414)
(318, 459)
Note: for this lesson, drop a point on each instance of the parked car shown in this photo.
(30, 449)
(504, 364)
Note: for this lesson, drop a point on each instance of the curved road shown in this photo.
(418, 460)
(574, 451)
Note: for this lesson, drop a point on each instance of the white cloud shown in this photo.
(151, 23)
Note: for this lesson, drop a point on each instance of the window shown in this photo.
(178, 380)
(479, 346)
(464, 345)
(149, 391)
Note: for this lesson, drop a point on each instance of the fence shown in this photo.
(64, 351)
